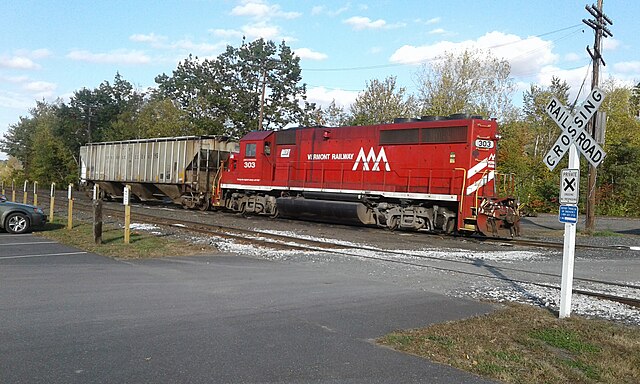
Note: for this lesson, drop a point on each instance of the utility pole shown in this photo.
(264, 91)
(599, 25)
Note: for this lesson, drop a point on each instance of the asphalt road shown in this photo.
(70, 317)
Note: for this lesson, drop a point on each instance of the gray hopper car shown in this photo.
(183, 169)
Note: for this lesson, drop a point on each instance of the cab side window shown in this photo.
(250, 150)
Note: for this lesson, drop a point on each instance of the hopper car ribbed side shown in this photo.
(182, 169)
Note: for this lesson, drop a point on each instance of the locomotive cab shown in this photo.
(248, 176)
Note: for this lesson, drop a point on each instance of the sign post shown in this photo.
(572, 138)
(35, 193)
(24, 196)
(97, 215)
(70, 213)
(127, 213)
(52, 202)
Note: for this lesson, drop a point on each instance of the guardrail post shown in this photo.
(35, 193)
(70, 213)
(127, 213)
(52, 201)
(97, 215)
(24, 196)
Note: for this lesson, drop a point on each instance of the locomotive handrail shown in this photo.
(464, 185)
(484, 174)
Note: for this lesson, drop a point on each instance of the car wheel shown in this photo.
(17, 223)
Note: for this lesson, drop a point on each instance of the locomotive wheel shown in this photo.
(393, 223)
(451, 225)
(206, 204)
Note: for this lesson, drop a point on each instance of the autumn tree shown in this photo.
(619, 176)
(333, 115)
(472, 81)
(43, 153)
(381, 102)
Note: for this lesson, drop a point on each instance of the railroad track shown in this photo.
(409, 258)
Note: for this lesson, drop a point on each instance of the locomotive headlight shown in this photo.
(497, 136)
(452, 157)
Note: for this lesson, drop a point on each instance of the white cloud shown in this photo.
(628, 67)
(526, 56)
(150, 38)
(306, 53)
(261, 29)
(572, 56)
(574, 77)
(14, 79)
(226, 33)
(114, 57)
(197, 48)
(437, 31)
(323, 96)
(18, 62)
(261, 10)
(434, 20)
(321, 9)
(359, 23)
(40, 88)
(34, 54)
(610, 44)
(14, 100)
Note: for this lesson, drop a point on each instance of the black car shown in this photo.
(20, 218)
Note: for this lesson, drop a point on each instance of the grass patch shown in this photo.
(141, 244)
(606, 233)
(525, 344)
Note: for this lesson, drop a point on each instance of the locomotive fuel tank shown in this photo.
(344, 212)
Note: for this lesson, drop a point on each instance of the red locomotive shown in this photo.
(436, 174)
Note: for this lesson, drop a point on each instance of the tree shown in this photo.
(526, 140)
(42, 152)
(333, 115)
(18, 140)
(619, 175)
(635, 101)
(540, 126)
(473, 82)
(381, 102)
(243, 89)
(161, 118)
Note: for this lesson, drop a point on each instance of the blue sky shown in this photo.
(49, 49)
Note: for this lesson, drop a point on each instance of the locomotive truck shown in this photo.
(435, 174)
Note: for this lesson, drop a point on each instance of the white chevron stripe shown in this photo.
(477, 168)
(483, 181)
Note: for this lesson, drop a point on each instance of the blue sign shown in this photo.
(568, 214)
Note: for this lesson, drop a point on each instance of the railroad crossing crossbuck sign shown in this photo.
(573, 130)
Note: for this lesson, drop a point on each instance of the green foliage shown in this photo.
(332, 116)
(254, 86)
(473, 82)
(381, 102)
